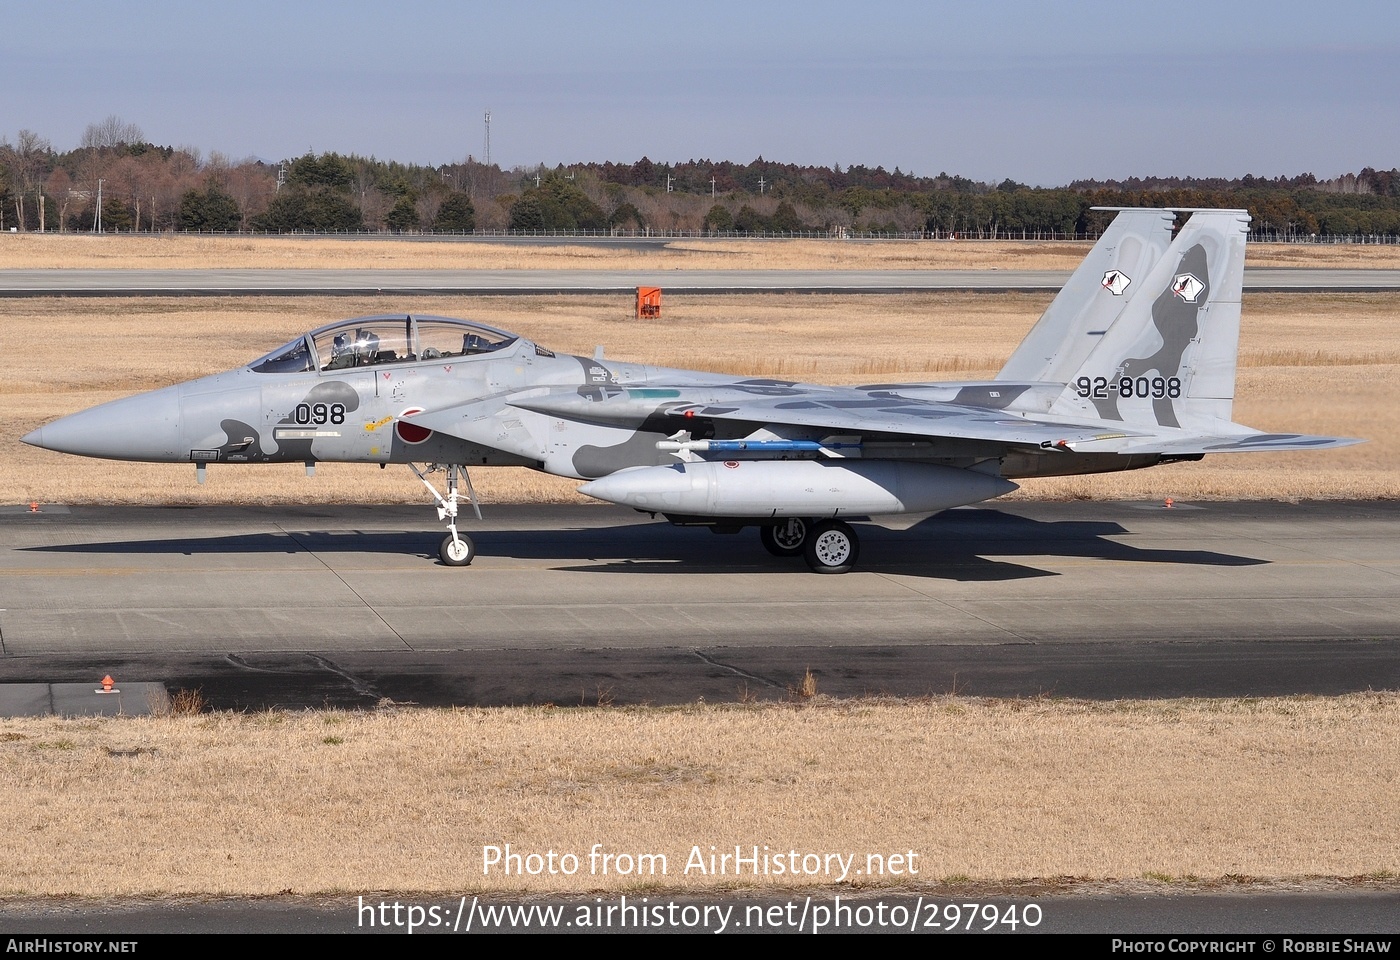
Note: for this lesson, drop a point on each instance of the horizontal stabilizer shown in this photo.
(1247, 443)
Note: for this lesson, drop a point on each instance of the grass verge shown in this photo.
(981, 791)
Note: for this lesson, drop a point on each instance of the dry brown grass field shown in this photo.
(80, 251)
(405, 800)
(1316, 363)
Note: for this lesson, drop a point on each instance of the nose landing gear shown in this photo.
(457, 549)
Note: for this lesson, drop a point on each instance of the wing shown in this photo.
(818, 409)
(855, 411)
(809, 410)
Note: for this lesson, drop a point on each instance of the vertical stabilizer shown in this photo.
(1092, 299)
(1169, 359)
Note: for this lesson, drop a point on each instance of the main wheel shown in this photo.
(832, 548)
(787, 538)
(457, 552)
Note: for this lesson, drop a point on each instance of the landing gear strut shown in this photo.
(457, 549)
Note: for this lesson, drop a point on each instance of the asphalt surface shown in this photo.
(106, 283)
(345, 605)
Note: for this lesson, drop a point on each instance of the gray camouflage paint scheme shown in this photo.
(1175, 320)
(520, 404)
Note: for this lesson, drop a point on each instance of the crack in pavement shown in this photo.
(743, 673)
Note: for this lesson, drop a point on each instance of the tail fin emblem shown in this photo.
(1187, 287)
(1116, 281)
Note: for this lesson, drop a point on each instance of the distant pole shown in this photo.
(668, 183)
(488, 138)
(760, 184)
(97, 219)
(712, 188)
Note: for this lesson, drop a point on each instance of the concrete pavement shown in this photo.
(572, 604)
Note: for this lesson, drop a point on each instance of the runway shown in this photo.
(298, 606)
(116, 283)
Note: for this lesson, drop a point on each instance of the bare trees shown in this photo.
(111, 133)
(59, 186)
(27, 161)
(144, 185)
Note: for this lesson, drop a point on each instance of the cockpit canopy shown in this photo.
(371, 341)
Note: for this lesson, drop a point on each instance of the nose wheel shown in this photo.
(457, 550)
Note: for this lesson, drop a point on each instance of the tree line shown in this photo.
(117, 180)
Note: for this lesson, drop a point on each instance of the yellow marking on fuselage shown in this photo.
(371, 427)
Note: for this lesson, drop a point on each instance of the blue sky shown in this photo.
(1037, 91)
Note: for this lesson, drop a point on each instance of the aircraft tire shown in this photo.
(786, 539)
(457, 553)
(833, 547)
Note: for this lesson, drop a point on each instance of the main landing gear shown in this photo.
(828, 546)
(457, 549)
(787, 538)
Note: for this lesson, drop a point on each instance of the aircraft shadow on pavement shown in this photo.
(960, 545)
(964, 545)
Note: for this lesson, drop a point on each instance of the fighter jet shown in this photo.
(1131, 366)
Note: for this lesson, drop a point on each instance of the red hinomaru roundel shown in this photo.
(411, 432)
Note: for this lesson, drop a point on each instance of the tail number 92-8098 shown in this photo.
(1100, 388)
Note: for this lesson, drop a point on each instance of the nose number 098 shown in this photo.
(319, 413)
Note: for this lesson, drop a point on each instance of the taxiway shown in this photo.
(346, 605)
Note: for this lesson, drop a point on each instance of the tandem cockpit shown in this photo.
(373, 341)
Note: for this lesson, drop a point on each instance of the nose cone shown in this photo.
(144, 427)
